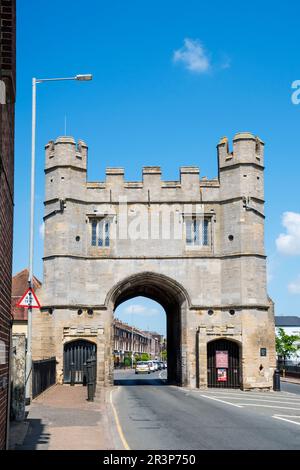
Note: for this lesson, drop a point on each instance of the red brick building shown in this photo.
(7, 101)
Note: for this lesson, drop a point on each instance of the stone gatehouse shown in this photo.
(194, 245)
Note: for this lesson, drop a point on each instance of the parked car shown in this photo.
(161, 365)
(151, 366)
(142, 367)
(166, 365)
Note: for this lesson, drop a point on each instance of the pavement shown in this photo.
(62, 418)
(154, 415)
(292, 380)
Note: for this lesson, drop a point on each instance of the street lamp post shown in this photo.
(131, 346)
(85, 77)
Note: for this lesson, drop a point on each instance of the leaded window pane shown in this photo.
(94, 232)
(189, 232)
(106, 234)
(205, 232)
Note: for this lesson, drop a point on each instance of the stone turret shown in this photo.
(241, 171)
(241, 176)
(65, 168)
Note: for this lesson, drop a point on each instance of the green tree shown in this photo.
(145, 357)
(286, 345)
(127, 361)
(164, 355)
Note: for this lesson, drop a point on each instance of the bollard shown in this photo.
(84, 378)
(276, 381)
(90, 383)
(94, 376)
(72, 382)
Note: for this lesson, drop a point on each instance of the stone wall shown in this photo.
(17, 404)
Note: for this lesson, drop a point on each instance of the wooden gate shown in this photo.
(77, 352)
(223, 364)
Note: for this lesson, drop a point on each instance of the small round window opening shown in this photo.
(230, 238)
(77, 238)
(232, 312)
(90, 311)
(210, 312)
(79, 311)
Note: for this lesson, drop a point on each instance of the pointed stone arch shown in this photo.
(175, 301)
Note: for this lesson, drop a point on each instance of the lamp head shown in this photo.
(84, 77)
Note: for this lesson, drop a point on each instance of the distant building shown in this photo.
(156, 343)
(128, 338)
(19, 287)
(291, 326)
(7, 126)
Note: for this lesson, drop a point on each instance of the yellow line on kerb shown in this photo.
(119, 428)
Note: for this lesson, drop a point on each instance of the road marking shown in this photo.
(222, 401)
(160, 377)
(288, 420)
(289, 402)
(254, 394)
(271, 406)
(119, 428)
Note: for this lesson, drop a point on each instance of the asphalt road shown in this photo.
(290, 387)
(156, 416)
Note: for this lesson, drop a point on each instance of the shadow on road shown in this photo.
(156, 382)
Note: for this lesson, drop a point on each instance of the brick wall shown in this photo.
(7, 76)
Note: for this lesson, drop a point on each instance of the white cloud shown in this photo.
(289, 243)
(42, 230)
(193, 56)
(294, 287)
(138, 309)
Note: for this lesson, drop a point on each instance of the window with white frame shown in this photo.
(100, 233)
(197, 231)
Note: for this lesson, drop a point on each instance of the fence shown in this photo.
(43, 375)
(289, 370)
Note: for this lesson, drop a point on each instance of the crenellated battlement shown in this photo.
(64, 151)
(240, 174)
(152, 179)
(247, 149)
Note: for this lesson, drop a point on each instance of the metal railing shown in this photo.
(289, 370)
(43, 375)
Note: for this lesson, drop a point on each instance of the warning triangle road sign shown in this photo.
(28, 300)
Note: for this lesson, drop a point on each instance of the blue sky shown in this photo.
(151, 105)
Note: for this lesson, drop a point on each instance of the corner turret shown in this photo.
(65, 168)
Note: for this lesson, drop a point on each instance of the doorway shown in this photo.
(223, 364)
(77, 352)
